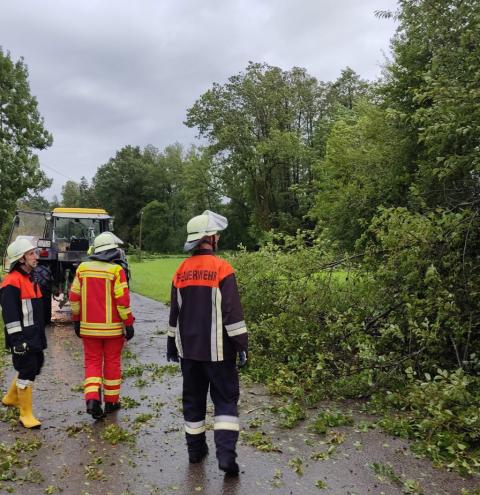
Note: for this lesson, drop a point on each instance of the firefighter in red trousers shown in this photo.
(102, 317)
(22, 310)
(207, 331)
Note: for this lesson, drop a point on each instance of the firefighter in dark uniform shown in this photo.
(207, 331)
(22, 311)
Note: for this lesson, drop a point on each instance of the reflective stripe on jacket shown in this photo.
(206, 316)
(22, 310)
(100, 299)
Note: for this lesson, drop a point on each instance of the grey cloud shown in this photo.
(108, 73)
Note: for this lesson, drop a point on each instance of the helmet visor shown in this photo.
(189, 245)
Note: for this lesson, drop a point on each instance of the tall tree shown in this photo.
(433, 85)
(364, 168)
(348, 88)
(260, 128)
(34, 202)
(120, 188)
(71, 194)
(22, 132)
(87, 198)
(429, 251)
(55, 203)
(201, 187)
(164, 182)
(339, 98)
(158, 234)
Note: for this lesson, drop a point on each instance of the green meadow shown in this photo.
(153, 277)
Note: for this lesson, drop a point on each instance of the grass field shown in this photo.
(153, 278)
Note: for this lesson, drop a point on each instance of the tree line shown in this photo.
(266, 130)
(286, 151)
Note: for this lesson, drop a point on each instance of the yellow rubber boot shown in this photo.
(11, 397)
(27, 418)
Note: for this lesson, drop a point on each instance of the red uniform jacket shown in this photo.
(100, 299)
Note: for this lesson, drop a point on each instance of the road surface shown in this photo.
(74, 455)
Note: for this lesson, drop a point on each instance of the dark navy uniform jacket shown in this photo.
(22, 310)
(206, 316)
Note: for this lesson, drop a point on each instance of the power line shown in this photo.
(57, 172)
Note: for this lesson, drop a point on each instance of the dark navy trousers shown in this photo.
(28, 365)
(222, 379)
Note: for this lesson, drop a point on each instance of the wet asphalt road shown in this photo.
(75, 458)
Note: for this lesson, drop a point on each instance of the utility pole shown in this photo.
(140, 240)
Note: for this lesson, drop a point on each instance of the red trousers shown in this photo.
(103, 366)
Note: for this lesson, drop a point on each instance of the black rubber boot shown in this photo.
(229, 466)
(94, 407)
(111, 407)
(197, 447)
(199, 455)
(226, 441)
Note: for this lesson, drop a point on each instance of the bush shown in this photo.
(440, 414)
(425, 267)
(410, 301)
(303, 332)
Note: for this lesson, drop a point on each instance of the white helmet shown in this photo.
(106, 241)
(17, 249)
(208, 223)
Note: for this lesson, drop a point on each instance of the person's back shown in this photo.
(210, 310)
(103, 312)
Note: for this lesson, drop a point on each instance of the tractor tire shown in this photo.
(47, 307)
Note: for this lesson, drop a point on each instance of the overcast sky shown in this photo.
(108, 73)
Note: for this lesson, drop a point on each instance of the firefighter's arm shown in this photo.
(122, 297)
(174, 311)
(172, 352)
(232, 313)
(75, 296)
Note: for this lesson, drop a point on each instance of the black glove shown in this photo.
(76, 327)
(172, 351)
(173, 358)
(20, 349)
(129, 332)
(242, 359)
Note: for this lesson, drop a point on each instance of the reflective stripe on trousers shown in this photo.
(102, 359)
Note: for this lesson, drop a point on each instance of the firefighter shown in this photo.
(102, 317)
(22, 310)
(207, 331)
